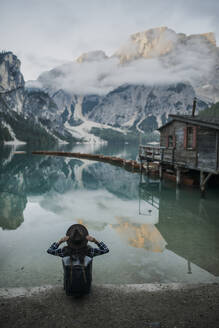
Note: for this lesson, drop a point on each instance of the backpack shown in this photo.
(77, 276)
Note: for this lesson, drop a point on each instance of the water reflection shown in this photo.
(11, 210)
(188, 223)
(144, 236)
(155, 232)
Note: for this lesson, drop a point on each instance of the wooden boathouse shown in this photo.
(188, 144)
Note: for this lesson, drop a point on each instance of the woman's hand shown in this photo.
(92, 239)
(63, 239)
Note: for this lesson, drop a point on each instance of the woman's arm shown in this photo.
(102, 248)
(54, 248)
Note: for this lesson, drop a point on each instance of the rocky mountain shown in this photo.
(11, 82)
(157, 72)
(160, 41)
(177, 51)
(124, 112)
(26, 115)
(92, 56)
(96, 97)
(143, 108)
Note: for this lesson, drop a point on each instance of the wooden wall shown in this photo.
(206, 142)
(203, 156)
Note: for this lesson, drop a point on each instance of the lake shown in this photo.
(156, 233)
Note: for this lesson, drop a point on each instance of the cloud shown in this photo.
(191, 61)
(64, 29)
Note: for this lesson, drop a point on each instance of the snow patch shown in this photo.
(159, 121)
(137, 125)
(78, 172)
(78, 110)
(130, 123)
(82, 132)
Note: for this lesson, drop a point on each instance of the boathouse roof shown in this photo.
(208, 122)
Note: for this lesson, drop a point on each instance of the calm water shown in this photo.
(155, 233)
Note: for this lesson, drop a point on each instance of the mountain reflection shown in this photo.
(150, 215)
(24, 176)
(11, 210)
(144, 236)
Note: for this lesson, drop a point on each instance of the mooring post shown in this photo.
(202, 184)
(178, 176)
(189, 267)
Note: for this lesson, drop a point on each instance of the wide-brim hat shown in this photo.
(77, 236)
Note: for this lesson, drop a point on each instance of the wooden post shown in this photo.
(178, 176)
(196, 158)
(162, 152)
(172, 156)
(141, 166)
(194, 107)
(217, 150)
(197, 146)
(160, 171)
(203, 181)
(189, 267)
(202, 186)
(141, 174)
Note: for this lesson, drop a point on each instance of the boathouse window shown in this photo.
(190, 137)
(170, 141)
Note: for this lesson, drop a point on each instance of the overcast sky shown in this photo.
(46, 33)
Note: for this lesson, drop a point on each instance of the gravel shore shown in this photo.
(142, 306)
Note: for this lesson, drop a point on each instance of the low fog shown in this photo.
(193, 62)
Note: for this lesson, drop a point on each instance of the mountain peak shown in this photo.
(10, 75)
(208, 37)
(92, 56)
(157, 42)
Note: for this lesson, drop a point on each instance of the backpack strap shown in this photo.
(84, 274)
(71, 264)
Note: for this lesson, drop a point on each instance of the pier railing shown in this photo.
(157, 153)
(151, 153)
(168, 155)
